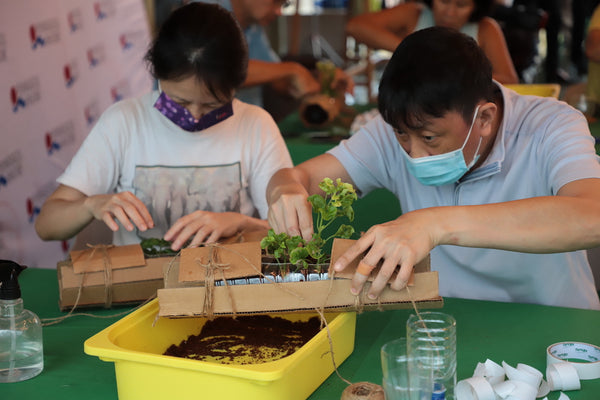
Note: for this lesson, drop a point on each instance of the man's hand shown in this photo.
(342, 82)
(302, 82)
(403, 242)
(291, 212)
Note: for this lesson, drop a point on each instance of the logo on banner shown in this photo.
(133, 39)
(44, 33)
(120, 91)
(104, 9)
(2, 48)
(25, 93)
(70, 73)
(75, 20)
(35, 202)
(60, 137)
(11, 167)
(91, 113)
(96, 55)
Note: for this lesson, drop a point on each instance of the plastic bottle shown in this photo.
(431, 336)
(21, 346)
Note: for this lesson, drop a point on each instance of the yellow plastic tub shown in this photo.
(536, 89)
(136, 347)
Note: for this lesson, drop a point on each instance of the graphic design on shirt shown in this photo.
(170, 193)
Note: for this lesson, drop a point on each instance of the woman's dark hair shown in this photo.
(483, 8)
(201, 40)
(434, 71)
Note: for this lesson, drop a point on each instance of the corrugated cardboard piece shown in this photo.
(109, 275)
(181, 298)
(96, 258)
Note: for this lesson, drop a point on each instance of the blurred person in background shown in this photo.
(592, 51)
(292, 80)
(387, 28)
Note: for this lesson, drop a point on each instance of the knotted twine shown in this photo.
(209, 282)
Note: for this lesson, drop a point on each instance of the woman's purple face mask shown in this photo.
(184, 119)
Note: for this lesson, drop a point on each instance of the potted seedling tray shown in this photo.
(230, 279)
(136, 343)
(188, 292)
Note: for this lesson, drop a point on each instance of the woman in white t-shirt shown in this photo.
(187, 163)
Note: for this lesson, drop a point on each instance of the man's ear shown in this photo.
(488, 113)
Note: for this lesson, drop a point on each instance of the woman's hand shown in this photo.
(123, 207)
(206, 227)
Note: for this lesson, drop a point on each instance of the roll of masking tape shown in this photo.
(583, 356)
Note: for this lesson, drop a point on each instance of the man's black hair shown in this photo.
(434, 71)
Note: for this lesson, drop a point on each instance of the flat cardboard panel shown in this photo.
(94, 259)
(179, 298)
(233, 260)
(293, 296)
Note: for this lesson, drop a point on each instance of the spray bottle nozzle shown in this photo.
(9, 280)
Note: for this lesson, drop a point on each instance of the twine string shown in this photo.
(421, 320)
(358, 306)
(330, 340)
(108, 281)
(209, 281)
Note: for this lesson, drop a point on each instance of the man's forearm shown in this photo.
(283, 179)
(535, 225)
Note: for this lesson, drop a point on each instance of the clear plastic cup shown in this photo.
(431, 337)
(404, 377)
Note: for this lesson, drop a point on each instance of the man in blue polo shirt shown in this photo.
(501, 189)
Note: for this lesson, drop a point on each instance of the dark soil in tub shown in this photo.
(253, 339)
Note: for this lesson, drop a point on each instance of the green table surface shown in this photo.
(511, 332)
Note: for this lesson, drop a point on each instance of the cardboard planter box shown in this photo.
(109, 275)
(195, 286)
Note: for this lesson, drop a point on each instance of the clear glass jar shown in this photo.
(21, 346)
